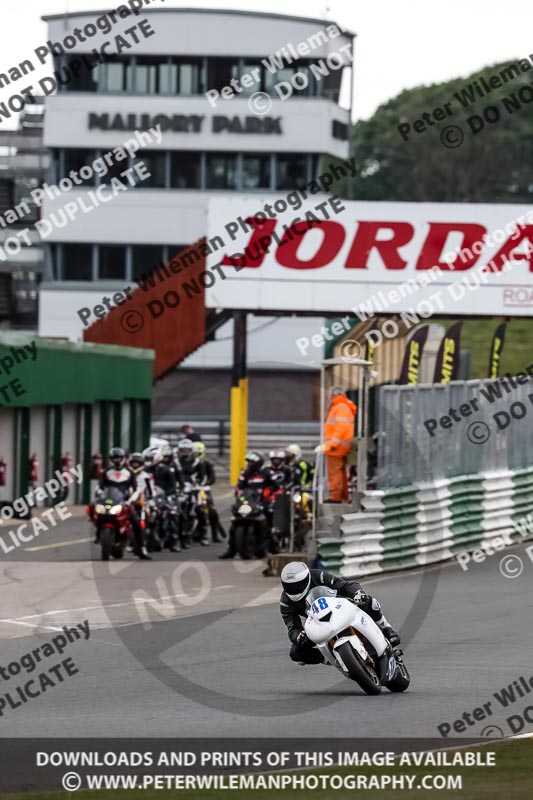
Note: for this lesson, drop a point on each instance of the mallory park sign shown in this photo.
(184, 123)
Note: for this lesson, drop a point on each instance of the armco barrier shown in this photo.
(429, 522)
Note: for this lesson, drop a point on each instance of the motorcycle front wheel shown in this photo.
(401, 679)
(106, 538)
(358, 671)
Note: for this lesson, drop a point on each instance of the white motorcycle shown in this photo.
(350, 640)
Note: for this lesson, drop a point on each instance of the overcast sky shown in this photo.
(398, 46)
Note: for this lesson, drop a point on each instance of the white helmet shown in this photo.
(295, 450)
(296, 580)
(185, 449)
(151, 456)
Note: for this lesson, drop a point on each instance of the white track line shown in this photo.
(57, 544)
(108, 605)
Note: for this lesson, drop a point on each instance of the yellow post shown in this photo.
(239, 397)
(243, 385)
(236, 457)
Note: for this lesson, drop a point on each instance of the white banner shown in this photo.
(323, 254)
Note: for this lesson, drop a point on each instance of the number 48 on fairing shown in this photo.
(319, 605)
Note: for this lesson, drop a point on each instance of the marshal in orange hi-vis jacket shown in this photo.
(338, 437)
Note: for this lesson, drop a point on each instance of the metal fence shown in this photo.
(463, 427)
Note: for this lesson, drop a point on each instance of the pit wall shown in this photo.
(430, 522)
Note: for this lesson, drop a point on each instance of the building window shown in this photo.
(114, 77)
(185, 170)
(155, 162)
(273, 78)
(84, 80)
(112, 262)
(330, 86)
(168, 78)
(145, 258)
(291, 171)
(75, 159)
(184, 76)
(174, 250)
(77, 262)
(106, 171)
(255, 70)
(220, 71)
(148, 76)
(221, 171)
(255, 172)
(339, 130)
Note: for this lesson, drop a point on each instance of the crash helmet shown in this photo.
(151, 456)
(167, 454)
(185, 450)
(117, 457)
(296, 580)
(136, 462)
(295, 453)
(199, 450)
(277, 457)
(254, 460)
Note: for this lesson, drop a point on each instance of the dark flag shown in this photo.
(413, 356)
(496, 350)
(447, 363)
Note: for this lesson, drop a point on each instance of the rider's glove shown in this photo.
(301, 639)
(360, 598)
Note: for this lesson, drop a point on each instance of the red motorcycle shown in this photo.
(109, 514)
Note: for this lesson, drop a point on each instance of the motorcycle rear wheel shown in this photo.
(367, 679)
(106, 537)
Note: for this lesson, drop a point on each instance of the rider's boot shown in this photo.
(143, 555)
(392, 635)
(373, 609)
(204, 537)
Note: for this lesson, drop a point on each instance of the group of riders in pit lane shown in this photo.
(169, 470)
(140, 477)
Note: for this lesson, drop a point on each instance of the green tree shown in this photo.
(493, 165)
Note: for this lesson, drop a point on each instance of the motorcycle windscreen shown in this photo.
(319, 591)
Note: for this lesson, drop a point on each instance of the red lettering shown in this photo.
(333, 235)
(436, 240)
(366, 239)
(257, 247)
(505, 253)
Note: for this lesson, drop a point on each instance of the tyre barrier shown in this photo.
(426, 523)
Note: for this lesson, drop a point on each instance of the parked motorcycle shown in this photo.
(197, 514)
(302, 518)
(109, 515)
(171, 523)
(248, 519)
(187, 502)
(153, 516)
(350, 640)
(207, 507)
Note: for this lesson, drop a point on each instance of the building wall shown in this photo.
(273, 395)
